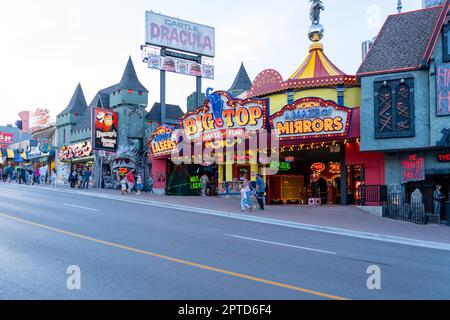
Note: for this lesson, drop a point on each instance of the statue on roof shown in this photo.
(316, 7)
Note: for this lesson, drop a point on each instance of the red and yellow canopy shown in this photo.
(316, 65)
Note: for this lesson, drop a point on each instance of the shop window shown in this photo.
(394, 109)
(446, 44)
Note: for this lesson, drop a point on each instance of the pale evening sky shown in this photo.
(48, 46)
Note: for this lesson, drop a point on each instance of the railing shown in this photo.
(372, 195)
(396, 208)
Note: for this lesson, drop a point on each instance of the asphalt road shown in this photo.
(134, 251)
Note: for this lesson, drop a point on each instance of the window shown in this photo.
(446, 44)
(140, 93)
(130, 91)
(394, 108)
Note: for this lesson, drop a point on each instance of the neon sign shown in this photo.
(312, 118)
(413, 168)
(444, 157)
(318, 167)
(222, 116)
(164, 141)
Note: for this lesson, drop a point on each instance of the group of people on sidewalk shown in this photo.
(27, 175)
(248, 190)
(133, 181)
(80, 178)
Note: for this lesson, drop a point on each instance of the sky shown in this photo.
(49, 46)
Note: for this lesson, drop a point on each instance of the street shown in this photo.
(126, 250)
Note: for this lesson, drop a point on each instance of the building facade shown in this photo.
(405, 110)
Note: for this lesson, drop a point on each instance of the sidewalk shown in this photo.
(341, 217)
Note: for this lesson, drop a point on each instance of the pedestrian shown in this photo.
(244, 203)
(53, 178)
(139, 184)
(36, 176)
(123, 184)
(248, 191)
(42, 175)
(438, 197)
(151, 183)
(260, 191)
(86, 177)
(73, 178)
(204, 181)
(130, 181)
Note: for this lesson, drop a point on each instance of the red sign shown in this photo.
(106, 130)
(413, 168)
(6, 138)
(318, 167)
(444, 157)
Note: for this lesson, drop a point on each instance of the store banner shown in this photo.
(181, 66)
(163, 141)
(413, 168)
(443, 90)
(312, 118)
(167, 32)
(6, 138)
(105, 130)
(223, 117)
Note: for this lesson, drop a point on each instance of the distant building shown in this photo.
(242, 83)
(192, 101)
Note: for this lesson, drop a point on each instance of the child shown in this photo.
(244, 199)
(139, 184)
(123, 184)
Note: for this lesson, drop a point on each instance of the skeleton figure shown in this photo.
(316, 7)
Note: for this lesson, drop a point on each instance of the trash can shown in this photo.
(447, 212)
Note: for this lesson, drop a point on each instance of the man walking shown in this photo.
(151, 183)
(260, 191)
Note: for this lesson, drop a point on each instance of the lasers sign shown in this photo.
(223, 117)
(168, 32)
(312, 118)
(164, 141)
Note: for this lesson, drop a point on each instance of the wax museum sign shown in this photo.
(311, 118)
(163, 141)
(223, 117)
(75, 151)
(413, 168)
(106, 130)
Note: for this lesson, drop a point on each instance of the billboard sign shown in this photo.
(173, 33)
(106, 130)
(75, 151)
(180, 66)
(222, 117)
(40, 119)
(312, 118)
(6, 138)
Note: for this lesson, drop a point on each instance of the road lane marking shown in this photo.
(79, 207)
(175, 260)
(281, 244)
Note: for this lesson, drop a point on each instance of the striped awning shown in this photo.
(14, 154)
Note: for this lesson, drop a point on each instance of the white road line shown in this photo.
(282, 244)
(80, 207)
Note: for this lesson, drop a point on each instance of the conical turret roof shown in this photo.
(130, 79)
(77, 104)
(242, 82)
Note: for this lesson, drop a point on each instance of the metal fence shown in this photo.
(372, 194)
(396, 208)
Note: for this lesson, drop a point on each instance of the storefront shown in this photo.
(77, 156)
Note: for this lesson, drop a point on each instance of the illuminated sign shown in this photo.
(444, 157)
(75, 151)
(223, 117)
(106, 129)
(163, 141)
(282, 166)
(289, 159)
(195, 183)
(312, 118)
(413, 168)
(335, 167)
(168, 32)
(318, 167)
(6, 138)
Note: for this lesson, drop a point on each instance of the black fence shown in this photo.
(396, 208)
(373, 195)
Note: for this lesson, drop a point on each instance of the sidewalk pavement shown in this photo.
(349, 218)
